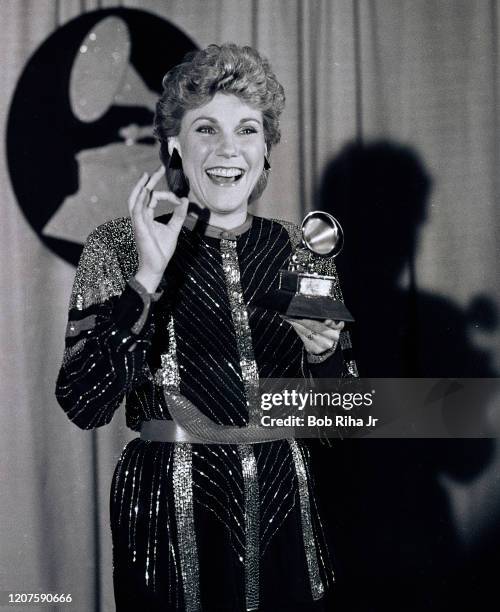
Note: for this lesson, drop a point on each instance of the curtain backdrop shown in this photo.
(422, 75)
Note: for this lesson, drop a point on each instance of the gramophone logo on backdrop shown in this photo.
(80, 124)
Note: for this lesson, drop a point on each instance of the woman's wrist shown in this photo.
(320, 357)
(148, 279)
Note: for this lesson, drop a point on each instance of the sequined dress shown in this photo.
(195, 526)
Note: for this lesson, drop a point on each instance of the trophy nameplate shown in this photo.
(303, 291)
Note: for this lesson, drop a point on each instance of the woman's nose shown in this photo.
(227, 146)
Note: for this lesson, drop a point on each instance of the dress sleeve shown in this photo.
(340, 363)
(107, 337)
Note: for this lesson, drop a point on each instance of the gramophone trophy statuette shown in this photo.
(305, 291)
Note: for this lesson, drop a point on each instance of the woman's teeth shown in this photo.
(225, 171)
(224, 176)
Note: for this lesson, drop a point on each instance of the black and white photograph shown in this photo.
(250, 305)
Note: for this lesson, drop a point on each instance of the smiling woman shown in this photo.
(209, 509)
(224, 148)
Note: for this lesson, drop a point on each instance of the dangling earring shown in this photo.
(267, 165)
(175, 162)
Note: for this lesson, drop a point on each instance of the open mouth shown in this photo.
(225, 176)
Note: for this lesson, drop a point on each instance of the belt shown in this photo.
(166, 431)
(159, 430)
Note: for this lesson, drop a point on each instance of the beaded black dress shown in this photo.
(196, 527)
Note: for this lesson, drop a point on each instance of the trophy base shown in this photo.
(299, 306)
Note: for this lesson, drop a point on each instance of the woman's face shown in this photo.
(222, 148)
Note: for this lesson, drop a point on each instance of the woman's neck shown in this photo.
(227, 220)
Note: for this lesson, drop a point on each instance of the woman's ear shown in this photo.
(173, 143)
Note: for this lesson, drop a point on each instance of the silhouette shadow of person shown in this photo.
(391, 524)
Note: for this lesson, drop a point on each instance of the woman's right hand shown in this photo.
(155, 241)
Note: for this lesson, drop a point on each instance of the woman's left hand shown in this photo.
(317, 336)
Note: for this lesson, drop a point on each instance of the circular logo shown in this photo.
(79, 130)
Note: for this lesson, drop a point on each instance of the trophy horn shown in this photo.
(322, 234)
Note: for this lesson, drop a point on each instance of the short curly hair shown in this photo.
(228, 68)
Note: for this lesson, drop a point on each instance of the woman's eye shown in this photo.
(248, 130)
(205, 129)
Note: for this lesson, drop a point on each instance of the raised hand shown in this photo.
(317, 336)
(155, 241)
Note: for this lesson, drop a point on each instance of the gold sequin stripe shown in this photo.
(317, 588)
(168, 375)
(240, 320)
(184, 516)
(252, 529)
(71, 351)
